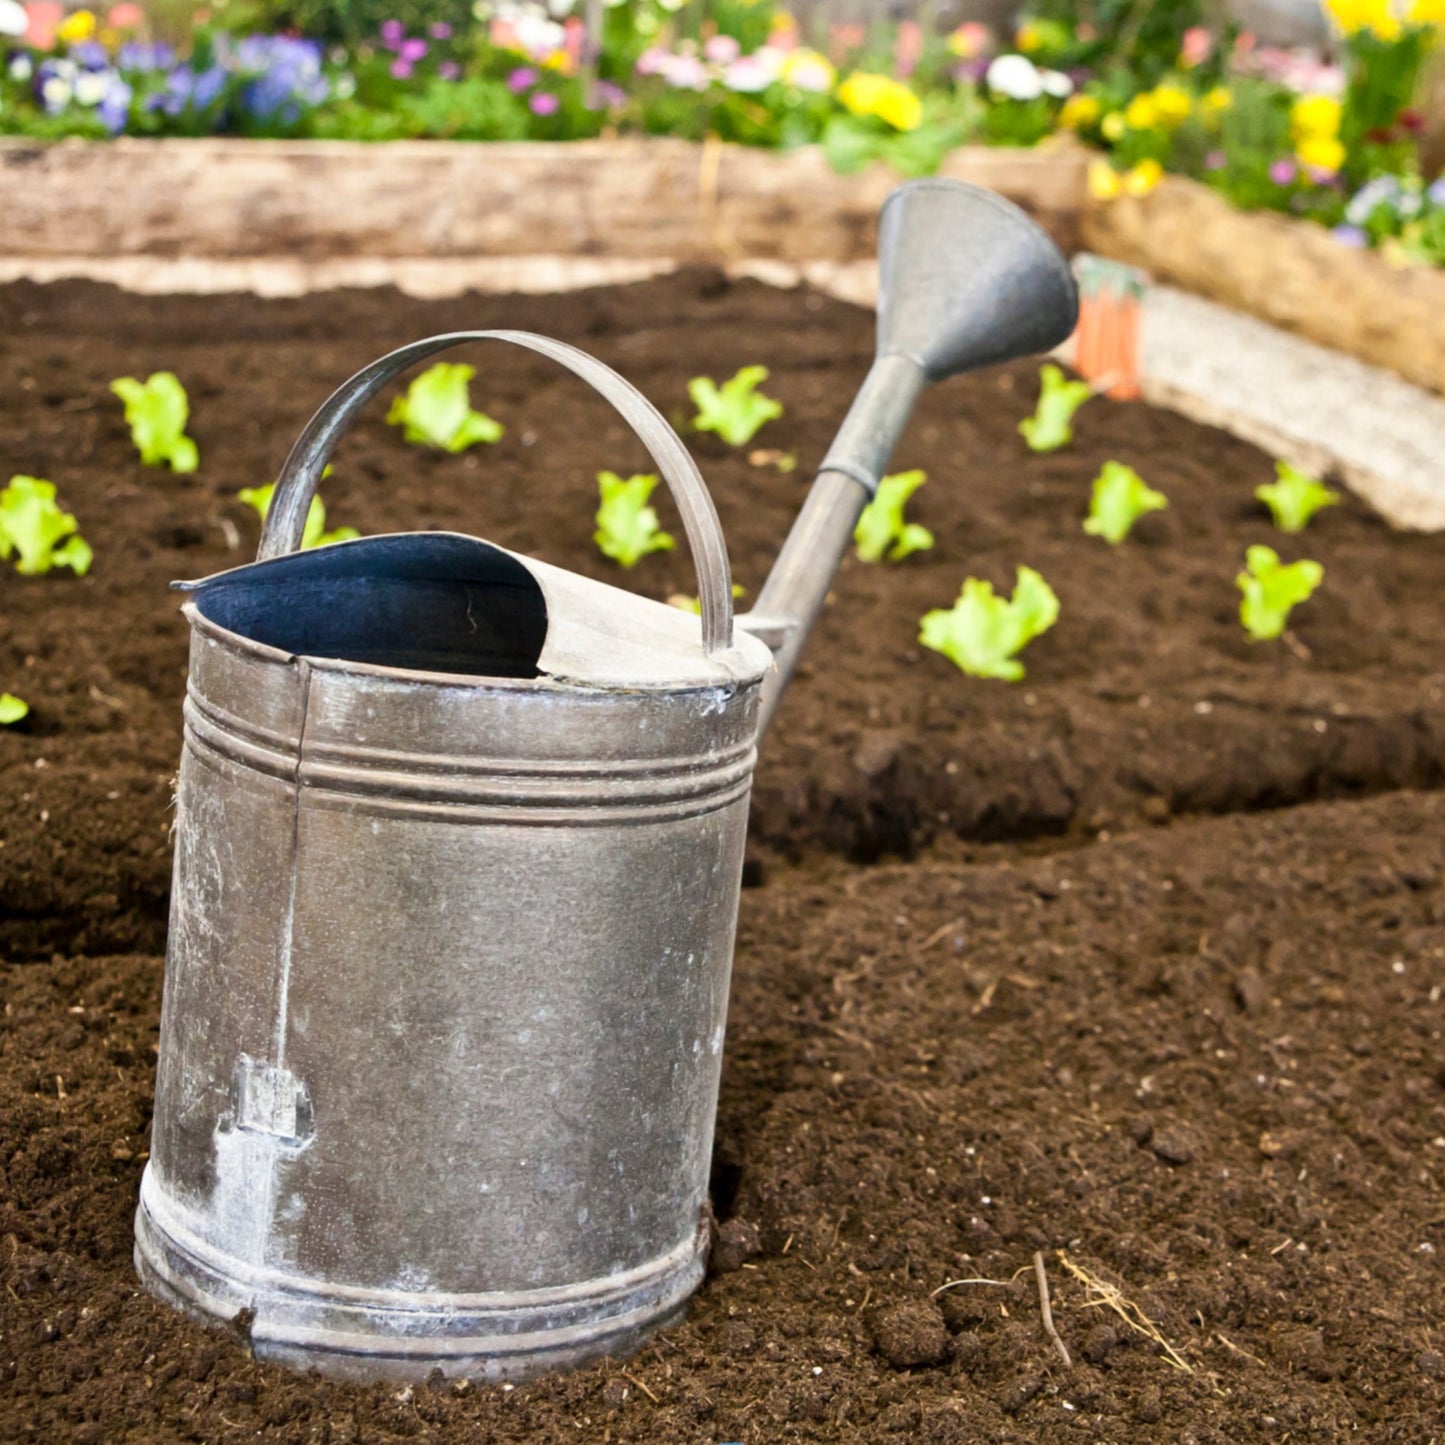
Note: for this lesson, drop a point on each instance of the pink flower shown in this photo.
(440, 30)
(401, 69)
(125, 17)
(721, 49)
(747, 75)
(449, 70)
(843, 39)
(1215, 161)
(1283, 171)
(1196, 48)
(908, 48)
(412, 50)
(393, 32)
(44, 18)
(522, 78)
(543, 103)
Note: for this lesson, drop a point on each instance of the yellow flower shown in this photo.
(1172, 103)
(1141, 179)
(1216, 100)
(77, 27)
(1079, 112)
(882, 96)
(1315, 115)
(1320, 152)
(1353, 16)
(1028, 38)
(1428, 12)
(1141, 113)
(1104, 183)
(1112, 126)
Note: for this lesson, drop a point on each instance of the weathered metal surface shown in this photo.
(458, 849)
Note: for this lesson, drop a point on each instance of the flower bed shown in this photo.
(1138, 968)
(1337, 143)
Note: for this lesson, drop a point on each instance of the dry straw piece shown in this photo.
(1111, 1297)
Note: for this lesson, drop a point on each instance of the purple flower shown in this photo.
(543, 103)
(970, 72)
(522, 78)
(1351, 236)
(401, 69)
(412, 50)
(114, 110)
(1435, 193)
(393, 32)
(439, 30)
(1283, 171)
(90, 54)
(137, 55)
(1215, 161)
(449, 70)
(605, 95)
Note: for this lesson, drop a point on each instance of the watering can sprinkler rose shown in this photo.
(459, 840)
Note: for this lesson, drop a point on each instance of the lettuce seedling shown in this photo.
(1050, 427)
(1295, 498)
(982, 633)
(736, 409)
(1272, 590)
(38, 532)
(156, 411)
(314, 533)
(1120, 498)
(436, 410)
(627, 528)
(881, 531)
(12, 708)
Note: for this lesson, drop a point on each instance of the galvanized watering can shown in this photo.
(458, 846)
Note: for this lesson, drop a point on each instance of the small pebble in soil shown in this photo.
(738, 1241)
(1172, 1146)
(910, 1335)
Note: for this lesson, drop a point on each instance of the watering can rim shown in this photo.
(665, 653)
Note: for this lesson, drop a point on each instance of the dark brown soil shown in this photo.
(1157, 991)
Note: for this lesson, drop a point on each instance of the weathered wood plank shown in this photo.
(621, 198)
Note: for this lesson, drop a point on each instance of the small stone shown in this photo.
(1431, 1363)
(1155, 810)
(1142, 1130)
(1172, 1146)
(1020, 1390)
(1100, 1343)
(877, 752)
(910, 1335)
(1251, 991)
(738, 1241)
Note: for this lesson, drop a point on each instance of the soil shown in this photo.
(1135, 967)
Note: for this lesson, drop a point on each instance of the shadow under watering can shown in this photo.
(459, 841)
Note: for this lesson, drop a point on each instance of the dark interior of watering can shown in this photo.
(423, 601)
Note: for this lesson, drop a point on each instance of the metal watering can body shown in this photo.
(458, 848)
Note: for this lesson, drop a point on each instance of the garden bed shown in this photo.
(1068, 1009)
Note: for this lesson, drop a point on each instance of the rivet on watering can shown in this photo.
(458, 848)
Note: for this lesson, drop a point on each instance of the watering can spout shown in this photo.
(965, 279)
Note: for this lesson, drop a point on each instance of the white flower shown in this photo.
(91, 88)
(1056, 83)
(747, 75)
(13, 19)
(1015, 76)
(55, 93)
(22, 68)
(807, 70)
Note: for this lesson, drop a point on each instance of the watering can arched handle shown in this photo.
(297, 484)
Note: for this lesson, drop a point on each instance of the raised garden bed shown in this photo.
(1068, 1009)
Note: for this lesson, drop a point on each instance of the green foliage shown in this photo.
(314, 534)
(34, 528)
(156, 411)
(736, 409)
(627, 528)
(1272, 590)
(1294, 498)
(436, 410)
(354, 20)
(1121, 497)
(881, 530)
(1142, 36)
(1051, 425)
(982, 633)
(852, 142)
(12, 708)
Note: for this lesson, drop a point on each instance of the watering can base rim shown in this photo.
(405, 1336)
(598, 635)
